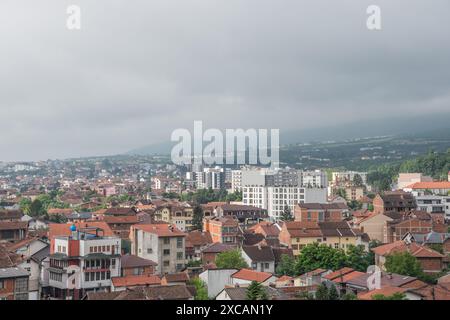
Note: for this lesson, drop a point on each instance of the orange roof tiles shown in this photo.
(386, 291)
(338, 273)
(251, 275)
(430, 185)
(63, 229)
(415, 249)
(133, 280)
(161, 229)
(348, 276)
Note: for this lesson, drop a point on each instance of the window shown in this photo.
(166, 241)
(179, 242)
(113, 263)
(166, 263)
(97, 276)
(149, 250)
(179, 255)
(266, 265)
(166, 252)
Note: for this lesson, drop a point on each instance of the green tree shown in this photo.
(286, 266)
(395, 296)
(358, 258)
(322, 292)
(201, 291)
(36, 208)
(403, 263)
(333, 293)
(349, 296)
(197, 219)
(231, 259)
(286, 215)
(25, 205)
(315, 256)
(256, 291)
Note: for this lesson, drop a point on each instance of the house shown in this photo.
(259, 258)
(162, 243)
(196, 241)
(83, 261)
(216, 280)
(320, 212)
(244, 213)
(406, 179)
(298, 234)
(175, 278)
(240, 293)
(313, 277)
(133, 281)
(430, 260)
(121, 225)
(360, 284)
(176, 292)
(136, 266)
(13, 230)
(433, 238)
(210, 253)
(375, 225)
(389, 291)
(398, 201)
(13, 284)
(430, 187)
(79, 217)
(31, 250)
(119, 212)
(223, 229)
(397, 230)
(10, 215)
(246, 276)
(60, 212)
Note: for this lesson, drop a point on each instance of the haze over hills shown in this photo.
(424, 126)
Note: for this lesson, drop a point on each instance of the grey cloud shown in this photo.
(139, 69)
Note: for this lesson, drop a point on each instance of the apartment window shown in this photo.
(97, 276)
(179, 242)
(103, 248)
(266, 265)
(108, 248)
(149, 250)
(166, 263)
(103, 274)
(166, 252)
(336, 245)
(166, 241)
(108, 275)
(113, 263)
(179, 255)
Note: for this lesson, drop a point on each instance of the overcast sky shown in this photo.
(139, 69)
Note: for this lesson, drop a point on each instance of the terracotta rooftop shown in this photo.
(251, 275)
(132, 280)
(338, 273)
(63, 229)
(415, 249)
(386, 291)
(430, 185)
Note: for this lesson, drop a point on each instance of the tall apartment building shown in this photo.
(223, 229)
(82, 262)
(274, 199)
(162, 243)
(213, 178)
(236, 180)
(274, 189)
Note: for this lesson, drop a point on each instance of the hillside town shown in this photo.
(133, 229)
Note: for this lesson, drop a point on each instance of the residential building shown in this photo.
(162, 243)
(13, 284)
(259, 258)
(398, 201)
(223, 229)
(84, 261)
(434, 204)
(441, 188)
(340, 235)
(320, 212)
(132, 265)
(13, 230)
(244, 277)
(132, 281)
(430, 260)
(406, 179)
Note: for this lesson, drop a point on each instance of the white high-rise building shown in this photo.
(236, 180)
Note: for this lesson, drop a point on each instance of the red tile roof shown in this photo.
(348, 276)
(133, 280)
(386, 291)
(430, 185)
(415, 249)
(338, 273)
(160, 229)
(251, 275)
(63, 229)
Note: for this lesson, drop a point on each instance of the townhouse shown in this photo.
(320, 212)
(162, 243)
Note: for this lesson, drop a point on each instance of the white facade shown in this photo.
(274, 199)
(236, 180)
(216, 280)
(434, 204)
